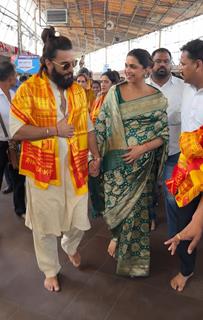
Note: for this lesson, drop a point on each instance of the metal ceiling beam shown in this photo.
(155, 3)
(117, 20)
(82, 22)
(106, 3)
(131, 21)
(92, 20)
(199, 2)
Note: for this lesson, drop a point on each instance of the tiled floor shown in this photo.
(94, 292)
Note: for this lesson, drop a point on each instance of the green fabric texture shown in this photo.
(128, 188)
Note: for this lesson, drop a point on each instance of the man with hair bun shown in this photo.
(49, 114)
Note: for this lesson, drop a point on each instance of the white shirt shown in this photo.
(192, 108)
(4, 110)
(173, 90)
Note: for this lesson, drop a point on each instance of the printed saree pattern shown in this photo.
(128, 188)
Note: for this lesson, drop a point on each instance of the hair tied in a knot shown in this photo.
(47, 34)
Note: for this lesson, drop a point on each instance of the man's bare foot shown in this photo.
(75, 259)
(179, 281)
(112, 248)
(51, 284)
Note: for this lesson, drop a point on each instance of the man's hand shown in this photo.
(64, 129)
(13, 158)
(193, 231)
(133, 153)
(94, 167)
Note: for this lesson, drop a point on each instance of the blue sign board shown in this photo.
(27, 64)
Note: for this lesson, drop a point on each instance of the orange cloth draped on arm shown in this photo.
(186, 181)
(34, 104)
(96, 108)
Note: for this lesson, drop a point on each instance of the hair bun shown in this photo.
(48, 33)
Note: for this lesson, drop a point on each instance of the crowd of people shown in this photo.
(119, 139)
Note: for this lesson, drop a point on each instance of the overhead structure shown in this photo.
(93, 24)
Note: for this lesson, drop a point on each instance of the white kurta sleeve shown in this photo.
(14, 125)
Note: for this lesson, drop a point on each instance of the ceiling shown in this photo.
(89, 21)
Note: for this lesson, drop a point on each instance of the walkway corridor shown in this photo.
(94, 292)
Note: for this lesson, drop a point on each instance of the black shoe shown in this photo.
(7, 190)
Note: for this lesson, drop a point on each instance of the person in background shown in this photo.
(9, 148)
(8, 179)
(132, 137)
(23, 78)
(82, 80)
(8, 168)
(96, 87)
(107, 80)
(172, 87)
(9, 174)
(49, 115)
(7, 81)
(88, 86)
(190, 210)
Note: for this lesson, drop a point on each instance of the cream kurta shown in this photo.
(56, 209)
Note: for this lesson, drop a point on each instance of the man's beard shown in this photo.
(62, 81)
(161, 73)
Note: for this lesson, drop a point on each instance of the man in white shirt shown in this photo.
(7, 80)
(192, 118)
(172, 87)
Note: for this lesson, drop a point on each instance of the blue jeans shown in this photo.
(171, 208)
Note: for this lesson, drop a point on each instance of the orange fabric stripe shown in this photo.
(186, 181)
(34, 104)
(96, 108)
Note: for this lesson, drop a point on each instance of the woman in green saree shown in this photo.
(132, 136)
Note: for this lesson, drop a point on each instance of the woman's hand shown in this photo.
(64, 129)
(134, 153)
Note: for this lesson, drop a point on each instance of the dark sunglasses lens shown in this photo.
(66, 66)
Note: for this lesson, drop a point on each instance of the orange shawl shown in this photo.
(96, 108)
(34, 104)
(90, 98)
(186, 181)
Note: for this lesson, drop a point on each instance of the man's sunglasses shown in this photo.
(66, 65)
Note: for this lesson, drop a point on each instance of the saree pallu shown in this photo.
(128, 188)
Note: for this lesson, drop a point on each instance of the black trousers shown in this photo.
(187, 261)
(18, 184)
(18, 181)
(8, 177)
(3, 159)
